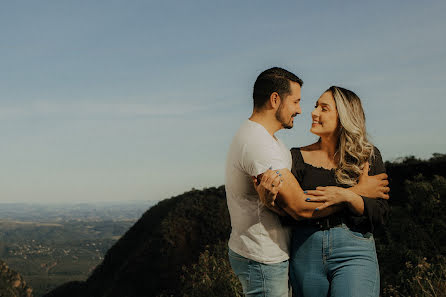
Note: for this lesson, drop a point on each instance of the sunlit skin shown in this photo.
(279, 112)
(325, 117)
(289, 107)
(325, 123)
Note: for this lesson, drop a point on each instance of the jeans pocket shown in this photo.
(358, 235)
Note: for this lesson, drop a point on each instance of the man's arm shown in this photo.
(324, 200)
(289, 196)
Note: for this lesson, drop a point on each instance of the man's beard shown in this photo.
(282, 120)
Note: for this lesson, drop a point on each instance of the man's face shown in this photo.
(289, 106)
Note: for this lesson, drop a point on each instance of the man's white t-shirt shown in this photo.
(257, 232)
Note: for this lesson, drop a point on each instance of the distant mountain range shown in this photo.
(62, 212)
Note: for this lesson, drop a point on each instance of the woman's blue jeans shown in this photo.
(258, 279)
(336, 262)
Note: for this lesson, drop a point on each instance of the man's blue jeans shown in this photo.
(336, 262)
(258, 279)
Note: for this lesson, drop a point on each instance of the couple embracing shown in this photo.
(304, 217)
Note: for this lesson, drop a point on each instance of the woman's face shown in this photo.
(325, 116)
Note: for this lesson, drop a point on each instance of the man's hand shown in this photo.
(375, 186)
(267, 186)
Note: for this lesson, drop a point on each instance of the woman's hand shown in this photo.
(267, 186)
(331, 196)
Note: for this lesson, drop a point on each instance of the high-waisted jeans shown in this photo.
(336, 262)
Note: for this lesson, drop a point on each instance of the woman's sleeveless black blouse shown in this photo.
(310, 177)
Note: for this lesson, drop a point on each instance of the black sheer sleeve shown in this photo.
(376, 210)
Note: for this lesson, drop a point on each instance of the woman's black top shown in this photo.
(310, 177)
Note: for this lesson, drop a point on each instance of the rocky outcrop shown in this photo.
(12, 284)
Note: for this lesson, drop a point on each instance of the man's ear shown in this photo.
(274, 100)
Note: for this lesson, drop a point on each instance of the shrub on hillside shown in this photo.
(420, 279)
(211, 274)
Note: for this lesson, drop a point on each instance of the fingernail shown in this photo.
(316, 209)
(277, 172)
(280, 174)
(308, 199)
(305, 192)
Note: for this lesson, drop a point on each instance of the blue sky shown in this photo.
(139, 100)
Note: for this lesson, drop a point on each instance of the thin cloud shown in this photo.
(99, 109)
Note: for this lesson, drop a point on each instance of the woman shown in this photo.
(335, 256)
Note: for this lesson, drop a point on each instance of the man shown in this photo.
(259, 244)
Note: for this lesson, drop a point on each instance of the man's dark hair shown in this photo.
(272, 80)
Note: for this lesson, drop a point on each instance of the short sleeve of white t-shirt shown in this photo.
(259, 157)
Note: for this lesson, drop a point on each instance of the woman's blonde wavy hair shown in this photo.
(353, 148)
